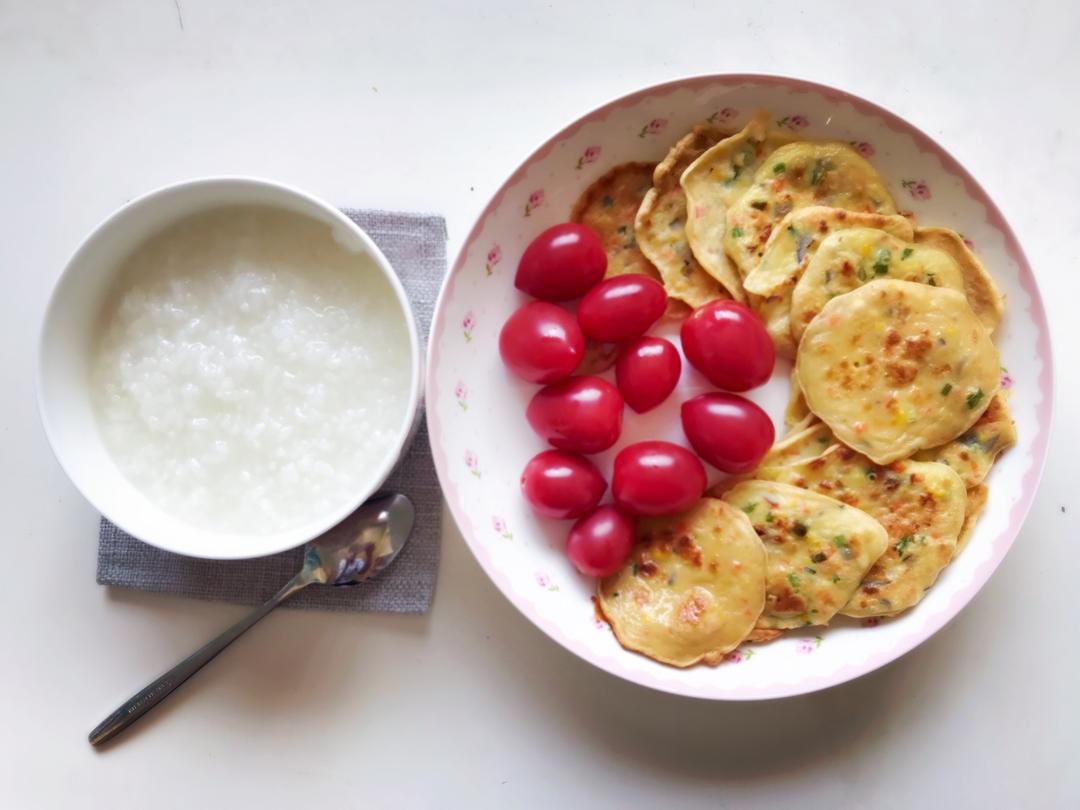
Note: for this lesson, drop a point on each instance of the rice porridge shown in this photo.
(251, 373)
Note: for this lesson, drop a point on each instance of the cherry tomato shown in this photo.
(728, 431)
(541, 342)
(561, 263)
(726, 342)
(583, 414)
(657, 478)
(647, 371)
(558, 484)
(600, 542)
(621, 308)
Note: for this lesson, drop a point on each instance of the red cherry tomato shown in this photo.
(728, 431)
(541, 342)
(657, 478)
(647, 371)
(583, 414)
(558, 484)
(621, 308)
(561, 263)
(726, 342)
(600, 542)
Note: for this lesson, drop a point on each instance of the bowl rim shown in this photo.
(1031, 477)
(283, 540)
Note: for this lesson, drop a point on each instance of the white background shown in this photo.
(428, 106)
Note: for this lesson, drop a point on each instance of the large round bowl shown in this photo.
(476, 411)
(69, 334)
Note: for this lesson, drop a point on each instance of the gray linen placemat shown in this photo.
(415, 244)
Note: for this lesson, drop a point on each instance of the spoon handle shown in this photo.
(142, 702)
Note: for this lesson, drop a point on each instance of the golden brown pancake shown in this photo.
(849, 259)
(893, 367)
(608, 207)
(921, 504)
(788, 253)
(974, 451)
(818, 550)
(982, 293)
(795, 176)
(660, 224)
(692, 589)
(712, 183)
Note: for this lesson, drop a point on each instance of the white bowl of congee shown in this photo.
(228, 368)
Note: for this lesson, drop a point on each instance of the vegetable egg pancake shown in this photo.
(981, 291)
(799, 445)
(851, 258)
(921, 505)
(893, 367)
(608, 207)
(818, 550)
(796, 176)
(712, 183)
(974, 451)
(660, 223)
(692, 589)
(791, 250)
(795, 240)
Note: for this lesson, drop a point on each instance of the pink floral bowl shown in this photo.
(481, 441)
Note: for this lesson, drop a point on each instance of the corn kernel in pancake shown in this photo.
(712, 183)
(982, 293)
(608, 207)
(921, 504)
(974, 451)
(817, 550)
(693, 588)
(894, 367)
(660, 224)
(796, 176)
(788, 253)
(848, 259)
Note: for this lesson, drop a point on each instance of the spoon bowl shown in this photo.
(358, 548)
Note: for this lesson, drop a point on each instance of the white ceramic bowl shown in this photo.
(475, 410)
(67, 338)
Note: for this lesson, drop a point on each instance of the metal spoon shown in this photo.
(355, 550)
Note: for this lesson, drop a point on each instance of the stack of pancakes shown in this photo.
(896, 415)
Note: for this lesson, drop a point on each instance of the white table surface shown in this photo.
(417, 106)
